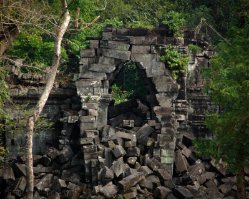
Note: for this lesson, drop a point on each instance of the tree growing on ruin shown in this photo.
(59, 33)
(228, 87)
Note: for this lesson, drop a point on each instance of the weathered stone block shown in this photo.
(165, 84)
(143, 40)
(140, 49)
(143, 133)
(93, 75)
(106, 60)
(8, 174)
(118, 151)
(20, 187)
(150, 182)
(109, 190)
(183, 192)
(130, 194)
(19, 169)
(128, 123)
(145, 170)
(87, 53)
(118, 45)
(86, 141)
(94, 43)
(118, 54)
(131, 181)
(132, 160)
(161, 192)
(133, 152)
(129, 144)
(118, 167)
(102, 68)
(126, 136)
(45, 182)
(180, 162)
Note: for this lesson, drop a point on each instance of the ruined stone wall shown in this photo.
(98, 66)
(127, 149)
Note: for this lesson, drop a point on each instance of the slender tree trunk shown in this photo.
(43, 99)
(240, 183)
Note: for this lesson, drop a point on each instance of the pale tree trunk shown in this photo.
(60, 31)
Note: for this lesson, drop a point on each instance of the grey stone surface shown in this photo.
(87, 53)
(118, 45)
(140, 49)
(102, 68)
(130, 181)
(118, 54)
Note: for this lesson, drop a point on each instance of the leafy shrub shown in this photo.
(176, 61)
(194, 49)
(119, 95)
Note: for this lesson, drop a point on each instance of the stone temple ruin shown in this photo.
(138, 149)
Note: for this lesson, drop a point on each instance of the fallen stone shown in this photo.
(180, 162)
(161, 192)
(20, 187)
(8, 174)
(145, 170)
(45, 182)
(132, 161)
(19, 169)
(45, 160)
(65, 154)
(41, 169)
(130, 181)
(196, 170)
(129, 144)
(118, 151)
(183, 192)
(109, 190)
(143, 133)
(150, 182)
(126, 136)
(128, 123)
(107, 173)
(54, 195)
(118, 167)
(153, 164)
(131, 194)
(133, 152)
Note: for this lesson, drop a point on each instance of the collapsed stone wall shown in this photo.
(99, 145)
(101, 62)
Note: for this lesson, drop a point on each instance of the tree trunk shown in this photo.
(60, 31)
(240, 182)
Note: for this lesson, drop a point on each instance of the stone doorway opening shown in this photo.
(133, 96)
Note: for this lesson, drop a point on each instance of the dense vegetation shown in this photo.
(228, 77)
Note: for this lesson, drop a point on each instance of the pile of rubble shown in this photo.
(128, 170)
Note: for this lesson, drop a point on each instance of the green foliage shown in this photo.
(176, 61)
(79, 40)
(194, 49)
(129, 84)
(228, 87)
(119, 95)
(175, 21)
(34, 48)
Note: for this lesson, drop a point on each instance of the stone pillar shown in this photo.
(103, 110)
